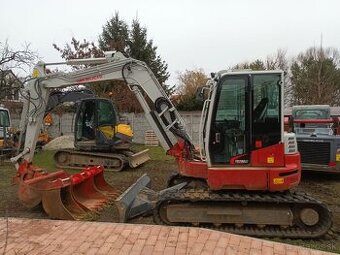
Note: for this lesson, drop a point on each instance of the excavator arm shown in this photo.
(161, 115)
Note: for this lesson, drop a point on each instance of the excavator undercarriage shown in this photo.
(75, 159)
(263, 214)
(287, 214)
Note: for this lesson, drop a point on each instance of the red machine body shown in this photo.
(269, 169)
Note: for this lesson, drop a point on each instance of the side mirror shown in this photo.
(202, 94)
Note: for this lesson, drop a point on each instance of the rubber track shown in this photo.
(289, 197)
(122, 157)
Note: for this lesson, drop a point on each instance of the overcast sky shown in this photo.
(189, 34)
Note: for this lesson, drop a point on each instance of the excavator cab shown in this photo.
(97, 127)
(244, 146)
(245, 116)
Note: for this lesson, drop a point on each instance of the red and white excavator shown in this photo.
(239, 180)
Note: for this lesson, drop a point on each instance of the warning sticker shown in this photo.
(270, 160)
(278, 181)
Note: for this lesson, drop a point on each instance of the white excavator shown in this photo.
(239, 180)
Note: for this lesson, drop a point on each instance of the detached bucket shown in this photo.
(65, 196)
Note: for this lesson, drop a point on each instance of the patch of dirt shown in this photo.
(323, 187)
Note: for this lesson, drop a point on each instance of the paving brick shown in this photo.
(84, 247)
(126, 232)
(235, 240)
(205, 252)
(182, 245)
(118, 243)
(114, 251)
(131, 238)
(104, 249)
(151, 240)
(91, 251)
(137, 229)
(112, 238)
(183, 236)
(194, 232)
(191, 242)
(138, 245)
(155, 230)
(70, 250)
(171, 241)
(214, 236)
(292, 252)
(180, 251)
(203, 237)
(254, 251)
(232, 250)
(197, 248)
(267, 250)
(256, 244)
(279, 249)
(148, 249)
(160, 245)
(223, 241)
(144, 234)
(126, 249)
(218, 251)
(210, 245)
(304, 252)
(163, 234)
(70, 237)
(174, 231)
(156, 253)
(169, 250)
(245, 246)
(267, 243)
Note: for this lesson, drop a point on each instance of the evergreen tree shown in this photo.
(117, 35)
(143, 49)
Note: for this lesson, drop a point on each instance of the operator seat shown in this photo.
(260, 109)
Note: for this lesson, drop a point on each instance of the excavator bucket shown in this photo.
(139, 199)
(65, 196)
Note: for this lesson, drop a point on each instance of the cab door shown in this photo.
(245, 117)
(229, 127)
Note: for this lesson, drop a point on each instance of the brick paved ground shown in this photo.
(30, 236)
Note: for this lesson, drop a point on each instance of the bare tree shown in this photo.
(14, 63)
(19, 60)
(276, 61)
(316, 77)
(79, 50)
